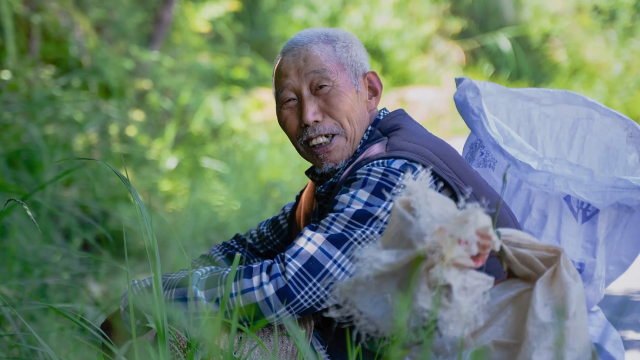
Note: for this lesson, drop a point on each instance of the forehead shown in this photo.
(305, 64)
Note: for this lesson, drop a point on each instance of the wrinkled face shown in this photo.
(319, 108)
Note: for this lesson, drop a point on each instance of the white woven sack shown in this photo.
(574, 179)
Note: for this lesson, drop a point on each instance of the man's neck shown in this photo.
(373, 115)
(331, 169)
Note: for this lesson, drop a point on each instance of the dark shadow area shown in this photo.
(623, 311)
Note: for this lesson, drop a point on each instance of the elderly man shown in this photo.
(327, 101)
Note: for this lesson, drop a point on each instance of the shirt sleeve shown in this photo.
(299, 280)
(265, 241)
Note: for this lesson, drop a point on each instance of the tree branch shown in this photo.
(34, 29)
(162, 24)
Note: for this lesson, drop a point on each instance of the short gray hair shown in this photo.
(348, 49)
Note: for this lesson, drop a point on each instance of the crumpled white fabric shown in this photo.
(540, 315)
(425, 227)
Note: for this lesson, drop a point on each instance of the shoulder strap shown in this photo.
(302, 210)
(307, 202)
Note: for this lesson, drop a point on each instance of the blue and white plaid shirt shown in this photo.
(281, 279)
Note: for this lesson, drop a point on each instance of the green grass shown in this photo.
(74, 96)
(82, 330)
(67, 326)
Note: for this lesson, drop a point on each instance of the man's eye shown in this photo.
(288, 102)
(321, 87)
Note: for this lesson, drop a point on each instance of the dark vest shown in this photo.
(404, 138)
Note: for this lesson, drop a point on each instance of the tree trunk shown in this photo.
(35, 37)
(162, 24)
(6, 14)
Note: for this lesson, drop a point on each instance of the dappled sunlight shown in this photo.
(176, 96)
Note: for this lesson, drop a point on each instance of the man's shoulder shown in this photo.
(401, 127)
(399, 119)
(374, 184)
(384, 170)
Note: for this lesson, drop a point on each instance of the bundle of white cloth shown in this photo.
(429, 252)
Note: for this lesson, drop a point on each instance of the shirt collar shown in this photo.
(326, 179)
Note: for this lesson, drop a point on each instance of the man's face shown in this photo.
(319, 108)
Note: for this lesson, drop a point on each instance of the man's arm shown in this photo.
(299, 280)
(267, 240)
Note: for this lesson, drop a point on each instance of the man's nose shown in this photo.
(310, 113)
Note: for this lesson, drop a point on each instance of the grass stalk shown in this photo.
(299, 339)
(40, 187)
(153, 256)
(130, 298)
(80, 321)
(8, 28)
(19, 334)
(44, 345)
(225, 300)
(25, 207)
(501, 200)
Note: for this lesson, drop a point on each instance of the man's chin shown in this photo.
(330, 167)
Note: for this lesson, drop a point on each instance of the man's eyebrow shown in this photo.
(279, 91)
(312, 72)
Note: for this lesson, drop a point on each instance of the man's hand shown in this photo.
(114, 329)
(485, 239)
(485, 244)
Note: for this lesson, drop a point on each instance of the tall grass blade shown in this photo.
(275, 343)
(35, 334)
(250, 333)
(225, 300)
(9, 33)
(25, 207)
(39, 188)
(299, 338)
(131, 310)
(501, 200)
(153, 255)
(13, 325)
(80, 321)
(228, 286)
(93, 346)
(233, 333)
(501, 254)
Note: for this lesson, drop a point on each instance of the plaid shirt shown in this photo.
(278, 278)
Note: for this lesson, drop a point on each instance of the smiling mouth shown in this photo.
(319, 141)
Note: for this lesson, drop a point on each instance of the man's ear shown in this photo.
(373, 88)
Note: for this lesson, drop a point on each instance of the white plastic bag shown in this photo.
(574, 178)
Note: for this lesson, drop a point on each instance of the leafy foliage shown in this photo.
(193, 123)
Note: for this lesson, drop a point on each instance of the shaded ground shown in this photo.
(623, 311)
(621, 305)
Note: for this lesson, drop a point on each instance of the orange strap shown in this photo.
(303, 210)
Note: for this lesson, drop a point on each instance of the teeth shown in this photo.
(320, 140)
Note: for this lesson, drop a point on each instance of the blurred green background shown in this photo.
(178, 91)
